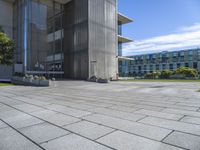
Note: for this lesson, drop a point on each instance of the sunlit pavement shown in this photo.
(78, 115)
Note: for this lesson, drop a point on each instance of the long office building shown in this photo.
(143, 64)
(64, 38)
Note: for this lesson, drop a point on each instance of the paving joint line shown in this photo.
(55, 138)
(114, 130)
(167, 135)
(181, 118)
(61, 128)
(23, 135)
(170, 129)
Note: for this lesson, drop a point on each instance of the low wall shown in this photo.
(5, 73)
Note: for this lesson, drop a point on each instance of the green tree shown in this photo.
(6, 49)
(166, 74)
(188, 72)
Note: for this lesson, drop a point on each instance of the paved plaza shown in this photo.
(78, 115)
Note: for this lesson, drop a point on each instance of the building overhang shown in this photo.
(124, 19)
(124, 58)
(122, 39)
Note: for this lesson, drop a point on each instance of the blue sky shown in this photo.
(161, 25)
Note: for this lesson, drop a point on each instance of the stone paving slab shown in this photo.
(35, 101)
(89, 130)
(173, 125)
(43, 132)
(83, 115)
(182, 112)
(75, 105)
(60, 119)
(149, 107)
(10, 114)
(188, 104)
(184, 140)
(55, 117)
(11, 102)
(21, 121)
(73, 142)
(118, 114)
(2, 125)
(124, 108)
(43, 114)
(151, 132)
(12, 140)
(124, 141)
(189, 119)
(4, 108)
(171, 106)
(68, 110)
(28, 108)
(159, 114)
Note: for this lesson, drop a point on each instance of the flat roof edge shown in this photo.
(124, 39)
(124, 19)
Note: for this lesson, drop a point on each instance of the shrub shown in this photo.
(18, 74)
(6, 49)
(187, 72)
(166, 74)
(36, 78)
(43, 78)
(153, 75)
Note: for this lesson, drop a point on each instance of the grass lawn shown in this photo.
(5, 84)
(160, 80)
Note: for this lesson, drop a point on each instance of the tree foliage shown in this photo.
(166, 74)
(6, 49)
(153, 75)
(188, 72)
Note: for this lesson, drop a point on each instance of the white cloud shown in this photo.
(186, 37)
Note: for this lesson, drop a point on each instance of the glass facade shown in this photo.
(119, 49)
(39, 36)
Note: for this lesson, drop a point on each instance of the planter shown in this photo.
(17, 80)
(35, 82)
(93, 79)
(44, 82)
(29, 81)
(100, 80)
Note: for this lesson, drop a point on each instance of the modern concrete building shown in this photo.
(64, 38)
(142, 64)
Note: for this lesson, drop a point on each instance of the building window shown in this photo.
(171, 66)
(119, 49)
(190, 58)
(163, 66)
(178, 65)
(190, 52)
(174, 54)
(195, 66)
(182, 53)
(119, 28)
(157, 67)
